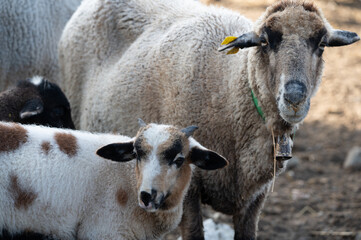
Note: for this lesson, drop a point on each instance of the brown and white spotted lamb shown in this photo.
(53, 182)
(162, 57)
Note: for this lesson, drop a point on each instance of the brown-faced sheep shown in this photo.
(158, 60)
(53, 182)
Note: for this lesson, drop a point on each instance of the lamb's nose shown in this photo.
(145, 197)
(295, 92)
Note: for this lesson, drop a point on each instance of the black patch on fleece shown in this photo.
(170, 153)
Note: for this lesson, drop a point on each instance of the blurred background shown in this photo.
(317, 197)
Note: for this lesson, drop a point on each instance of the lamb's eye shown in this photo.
(138, 154)
(178, 160)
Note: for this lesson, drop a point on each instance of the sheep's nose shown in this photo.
(145, 197)
(295, 92)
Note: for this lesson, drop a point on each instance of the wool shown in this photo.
(164, 67)
(30, 31)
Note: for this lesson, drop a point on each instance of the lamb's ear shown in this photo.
(141, 123)
(31, 108)
(119, 152)
(205, 158)
(341, 38)
(188, 131)
(246, 40)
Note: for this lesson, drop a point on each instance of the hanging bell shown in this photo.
(283, 147)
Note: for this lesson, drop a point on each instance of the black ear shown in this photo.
(119, 152)
(31, 108)
(207, 159)
(250, 39)
(341, 38)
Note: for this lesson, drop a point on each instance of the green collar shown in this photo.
(259, 109)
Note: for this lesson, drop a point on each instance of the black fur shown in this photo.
(44, 104)
(119, 152)
(24, 236)
(274, 38)
(56, 107)
(171, 153)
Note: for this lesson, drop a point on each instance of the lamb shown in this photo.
(36, 101)
(30, 31)
(169, 67)
(53, 182)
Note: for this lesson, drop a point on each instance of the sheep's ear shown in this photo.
(205, 158)
(119, 152)
(250, 39)
(141, 123)
(31, 108)
(188, 131)
(341, 38)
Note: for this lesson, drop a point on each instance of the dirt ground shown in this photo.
(319, 199)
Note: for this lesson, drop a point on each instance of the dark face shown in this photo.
(290, 38)
(292, 47)
(56, 108)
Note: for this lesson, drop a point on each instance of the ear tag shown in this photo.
(233, 51)
(228, 40)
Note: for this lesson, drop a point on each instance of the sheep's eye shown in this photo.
(179, 161)
(322, 45)
(264, 42)
(138, 154)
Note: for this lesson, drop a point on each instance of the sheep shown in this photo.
(162, 57)
(36, 101)
(61, 183)
(30, 31)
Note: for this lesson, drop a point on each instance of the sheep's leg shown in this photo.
(191, 225)
(246, 225)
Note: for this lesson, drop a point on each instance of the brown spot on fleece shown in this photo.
(122, 197)
(45, 146)
(12, 137)
(23, 197)
(67, 143)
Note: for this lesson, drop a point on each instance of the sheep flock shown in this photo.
(246, 86)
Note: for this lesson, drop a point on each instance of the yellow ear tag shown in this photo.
(228, 40)
(233, 51)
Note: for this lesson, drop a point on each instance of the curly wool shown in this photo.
(30, 31)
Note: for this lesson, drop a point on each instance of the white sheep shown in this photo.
(29, 34)
(53, 182)
(161, 56)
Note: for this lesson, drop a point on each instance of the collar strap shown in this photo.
(259, 109)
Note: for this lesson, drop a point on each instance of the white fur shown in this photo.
(155, 135)
(37, 80)
(76, 195)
